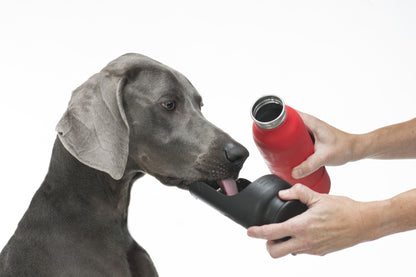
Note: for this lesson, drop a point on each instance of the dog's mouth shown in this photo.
(228, 186)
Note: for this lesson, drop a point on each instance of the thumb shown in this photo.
(309, 166)
(300, 192)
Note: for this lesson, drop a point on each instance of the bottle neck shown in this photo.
(269, 112)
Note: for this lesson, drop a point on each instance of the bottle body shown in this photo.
(285, 142)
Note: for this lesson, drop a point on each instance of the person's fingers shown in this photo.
(307, 167)
(309, 120)
(300, 192)
(316, 160)
(271, 231)
(278, 249)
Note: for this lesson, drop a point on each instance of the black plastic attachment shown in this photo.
(256, 204)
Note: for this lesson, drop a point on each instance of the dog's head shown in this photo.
(138, 114)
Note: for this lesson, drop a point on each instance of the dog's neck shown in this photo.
(88, 189)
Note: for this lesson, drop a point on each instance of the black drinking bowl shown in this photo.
(256, 204)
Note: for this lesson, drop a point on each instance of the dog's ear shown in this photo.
(94, 128)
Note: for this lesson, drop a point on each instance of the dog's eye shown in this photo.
(169, 105)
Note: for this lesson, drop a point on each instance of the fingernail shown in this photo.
(297, 173)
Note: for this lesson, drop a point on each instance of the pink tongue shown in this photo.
(229, 186)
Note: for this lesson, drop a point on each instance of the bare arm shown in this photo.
(395, 215)
(392, 142)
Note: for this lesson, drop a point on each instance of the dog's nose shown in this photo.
(235, 153)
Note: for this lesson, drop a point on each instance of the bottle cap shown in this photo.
(268, 112)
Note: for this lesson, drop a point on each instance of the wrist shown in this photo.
(376, 219)
(360, 145)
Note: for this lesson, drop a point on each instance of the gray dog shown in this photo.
(136, 116)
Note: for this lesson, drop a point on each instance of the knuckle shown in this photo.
(307, 245)
(297, 229)
(297, 188)
(290, 226)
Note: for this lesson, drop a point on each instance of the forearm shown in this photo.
(382, 218)
(392, 142)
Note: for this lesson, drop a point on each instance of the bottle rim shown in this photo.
(263, 103)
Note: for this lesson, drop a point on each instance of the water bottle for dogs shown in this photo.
(284, 142)
(255, 204)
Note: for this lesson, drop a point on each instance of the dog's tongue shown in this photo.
(229, 186)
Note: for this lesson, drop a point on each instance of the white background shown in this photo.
(351, 63)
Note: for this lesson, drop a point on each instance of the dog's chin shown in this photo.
(174, 182)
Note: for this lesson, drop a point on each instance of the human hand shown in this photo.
(331, 223)
(332, 147)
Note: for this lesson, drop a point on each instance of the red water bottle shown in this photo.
(284, 142)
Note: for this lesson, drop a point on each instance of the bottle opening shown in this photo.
(268, 112)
